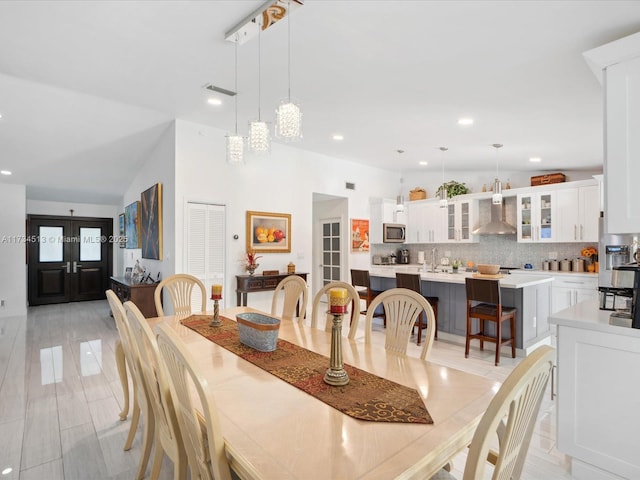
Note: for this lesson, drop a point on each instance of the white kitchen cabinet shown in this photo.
(568, 290)
(383, 210)
(617, 64)
(536, 217)
(425, 222)
(577, 213)
(462, 219)
(598, 389)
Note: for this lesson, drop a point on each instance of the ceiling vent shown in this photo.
(224, 91)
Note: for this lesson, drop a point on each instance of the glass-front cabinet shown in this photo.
(536, 217)
(461, 220)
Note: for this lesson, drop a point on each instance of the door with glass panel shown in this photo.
(69, 258)
(331, 250)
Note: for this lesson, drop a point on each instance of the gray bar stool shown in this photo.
(412, 282)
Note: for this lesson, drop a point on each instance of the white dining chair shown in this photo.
(293, 289)
(402, 307)
(181, 289)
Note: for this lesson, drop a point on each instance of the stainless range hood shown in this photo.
(497, 225)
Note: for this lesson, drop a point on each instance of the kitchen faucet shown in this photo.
(433, 259)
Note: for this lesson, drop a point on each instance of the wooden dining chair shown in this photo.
(402, 308)
(295, 292)
(412, 282)
(181, 290)
(140, 397)
(210, 457)
(352, 298)
(484, 302)
(509, 418)
(361, 280)
(166, 430)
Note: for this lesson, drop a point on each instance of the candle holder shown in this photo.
(336, 374)
(216, 322)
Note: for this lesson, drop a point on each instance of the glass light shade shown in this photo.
(259, 137)
(496, 198)
(399, 203)
(444, 201)
(289, 121)
(235, 149)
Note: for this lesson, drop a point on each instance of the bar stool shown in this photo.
(362, 282)
(412, 282)
(485, 304)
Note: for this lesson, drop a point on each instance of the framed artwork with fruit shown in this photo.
(269, 232)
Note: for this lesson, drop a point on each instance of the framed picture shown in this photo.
(151, 219)
(122, 239)
(269, 232)
(359, 235)
(132, 225)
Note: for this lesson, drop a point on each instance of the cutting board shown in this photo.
(486, 275)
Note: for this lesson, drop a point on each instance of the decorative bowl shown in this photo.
(258, 330)
(488, 269)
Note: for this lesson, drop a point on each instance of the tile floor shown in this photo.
(60, 398)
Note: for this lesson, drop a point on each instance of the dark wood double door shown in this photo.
(69, 258)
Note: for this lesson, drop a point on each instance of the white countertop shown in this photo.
(513, 280)
(588, 316)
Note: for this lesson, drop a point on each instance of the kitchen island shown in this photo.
(530, 295)
(598, 386)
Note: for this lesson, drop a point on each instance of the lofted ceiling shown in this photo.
(87, 88)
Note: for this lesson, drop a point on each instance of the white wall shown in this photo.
(159, 168)
(13, 281)
(282, 182)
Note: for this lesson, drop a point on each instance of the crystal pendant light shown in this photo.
(259, 137)
(235, 142)
(288, 114)
(496, 198)
(444, 201)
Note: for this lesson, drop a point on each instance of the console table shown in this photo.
(259, 283)
(139, 293)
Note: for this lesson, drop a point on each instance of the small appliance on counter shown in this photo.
(616, 249)
(626, 278)
(403, 256)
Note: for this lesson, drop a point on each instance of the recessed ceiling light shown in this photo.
(465, 121)
(5, 172)
(214, 101)
(423, 162)
(535, 159)
(338, 136)
(0, 115)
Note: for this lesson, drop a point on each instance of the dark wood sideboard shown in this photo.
(139, 293)
(258, 283)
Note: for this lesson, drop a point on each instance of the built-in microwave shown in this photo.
(394, 233)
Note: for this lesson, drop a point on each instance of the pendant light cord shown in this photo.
(236, 81)
(289, 48)
(259, 71)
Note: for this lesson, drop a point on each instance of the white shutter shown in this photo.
(205, 245)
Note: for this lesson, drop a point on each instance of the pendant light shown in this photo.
(444, 201)
(496, 198)
(259, 137)
(288, 114)
(235, 142)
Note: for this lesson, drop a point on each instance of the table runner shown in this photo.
(366, 396)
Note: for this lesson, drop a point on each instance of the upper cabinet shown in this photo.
(617, 64)
(462, 219)
(536, 217)
(578, 214)
(383, 210)
(426, 222)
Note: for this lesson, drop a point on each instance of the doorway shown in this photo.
(330, 240)
(69, 259)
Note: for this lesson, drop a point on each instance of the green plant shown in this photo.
(456, 263)
(453, 188)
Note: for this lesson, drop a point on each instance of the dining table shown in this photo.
(286, 433)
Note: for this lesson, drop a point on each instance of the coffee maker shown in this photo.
(628, 277)
(403, 256)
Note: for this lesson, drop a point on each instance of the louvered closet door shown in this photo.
(206, 246)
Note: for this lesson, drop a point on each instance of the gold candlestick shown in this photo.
(336, 374)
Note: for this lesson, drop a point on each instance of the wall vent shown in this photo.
(350, 186)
